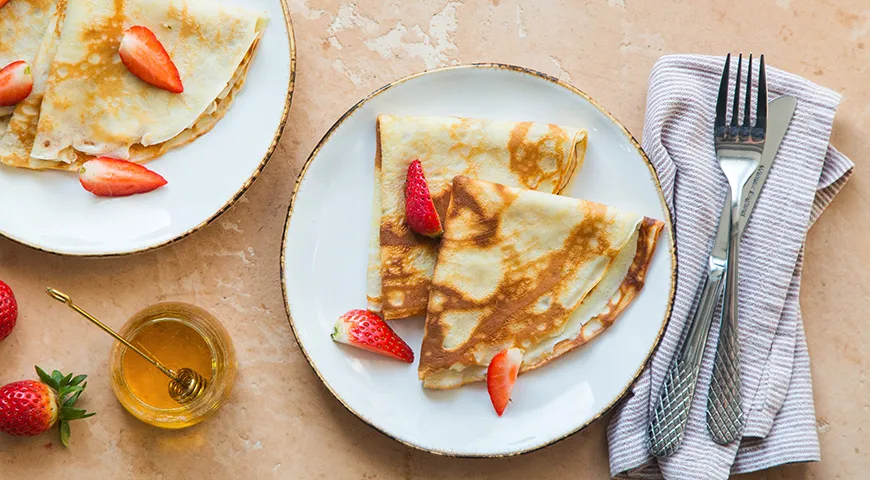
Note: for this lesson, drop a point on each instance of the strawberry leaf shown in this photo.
(70, 413)
(69, 402)
(46, 378)
(69, 389)
(64, 433)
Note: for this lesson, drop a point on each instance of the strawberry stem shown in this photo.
(68, 389)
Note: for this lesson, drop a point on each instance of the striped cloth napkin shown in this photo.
(806, 175)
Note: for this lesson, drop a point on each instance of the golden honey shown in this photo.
(180, 336)
(178, 345)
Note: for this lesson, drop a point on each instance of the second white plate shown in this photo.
(50, 211)
(324, 270)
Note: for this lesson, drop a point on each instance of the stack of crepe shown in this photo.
(525, 269)
(85, 103)
(526, 155)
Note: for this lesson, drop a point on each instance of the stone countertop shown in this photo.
(282, 422)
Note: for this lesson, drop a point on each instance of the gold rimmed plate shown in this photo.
(50, 211)
(324, 270)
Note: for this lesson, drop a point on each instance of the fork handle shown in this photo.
(671, 412)
(724, 403)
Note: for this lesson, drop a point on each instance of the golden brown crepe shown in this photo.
(91, 105)
(22, 25)
(521, 154)
(15, 147)
(519, 268)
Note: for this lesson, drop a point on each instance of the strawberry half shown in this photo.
(16, 82)
(366, 330)
(110, 177)
(501, 376)
(28, 407)
(419, 208)
(8, 310)
(145, 57)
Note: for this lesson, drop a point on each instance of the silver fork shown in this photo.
(739, 151)
(671, 412)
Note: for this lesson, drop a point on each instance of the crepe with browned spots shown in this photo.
(86, 103)
(22, 25)
(519, 268)
(529, 155)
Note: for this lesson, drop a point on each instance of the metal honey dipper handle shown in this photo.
(185, 385)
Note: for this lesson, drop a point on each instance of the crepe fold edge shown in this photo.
(374, 275)
(647, 237)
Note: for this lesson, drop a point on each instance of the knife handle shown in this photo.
(671, 412)
(724, 402)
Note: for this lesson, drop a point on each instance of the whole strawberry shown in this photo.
(29, 408)
(8, 310)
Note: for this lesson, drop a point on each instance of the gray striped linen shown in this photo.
(806, 176)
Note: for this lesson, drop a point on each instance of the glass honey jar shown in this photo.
(181, 336)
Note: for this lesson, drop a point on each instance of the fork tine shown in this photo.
(761, 116)
(735, 113)
(748, 102)
(722, 101)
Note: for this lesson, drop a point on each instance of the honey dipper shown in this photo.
(185, 385)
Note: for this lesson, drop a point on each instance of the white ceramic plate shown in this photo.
(324, 271)
(50, 211)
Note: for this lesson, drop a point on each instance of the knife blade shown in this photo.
(671, 412)
(779, 116)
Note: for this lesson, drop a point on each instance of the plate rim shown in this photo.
(522, 70)
(279, 131)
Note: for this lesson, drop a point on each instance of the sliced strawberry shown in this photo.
(110, 177)
(501, 376)
(146, 58)
(419, 208)
(366, 330)
(16, 82)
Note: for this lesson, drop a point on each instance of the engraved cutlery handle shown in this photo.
(675, 398)
(724, 402)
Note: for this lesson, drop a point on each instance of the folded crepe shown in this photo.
(529, 155)
(22, 26)
(519, 268)
(86, 103)
(21, 126)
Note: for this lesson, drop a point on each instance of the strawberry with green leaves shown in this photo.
(29, 408)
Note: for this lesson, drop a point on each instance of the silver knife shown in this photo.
(671, 412)
(725, 418)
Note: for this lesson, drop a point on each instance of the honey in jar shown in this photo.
(180, 336)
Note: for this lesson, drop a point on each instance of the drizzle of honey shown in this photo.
(177, 345)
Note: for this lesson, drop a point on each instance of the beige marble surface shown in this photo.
(281, 422)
